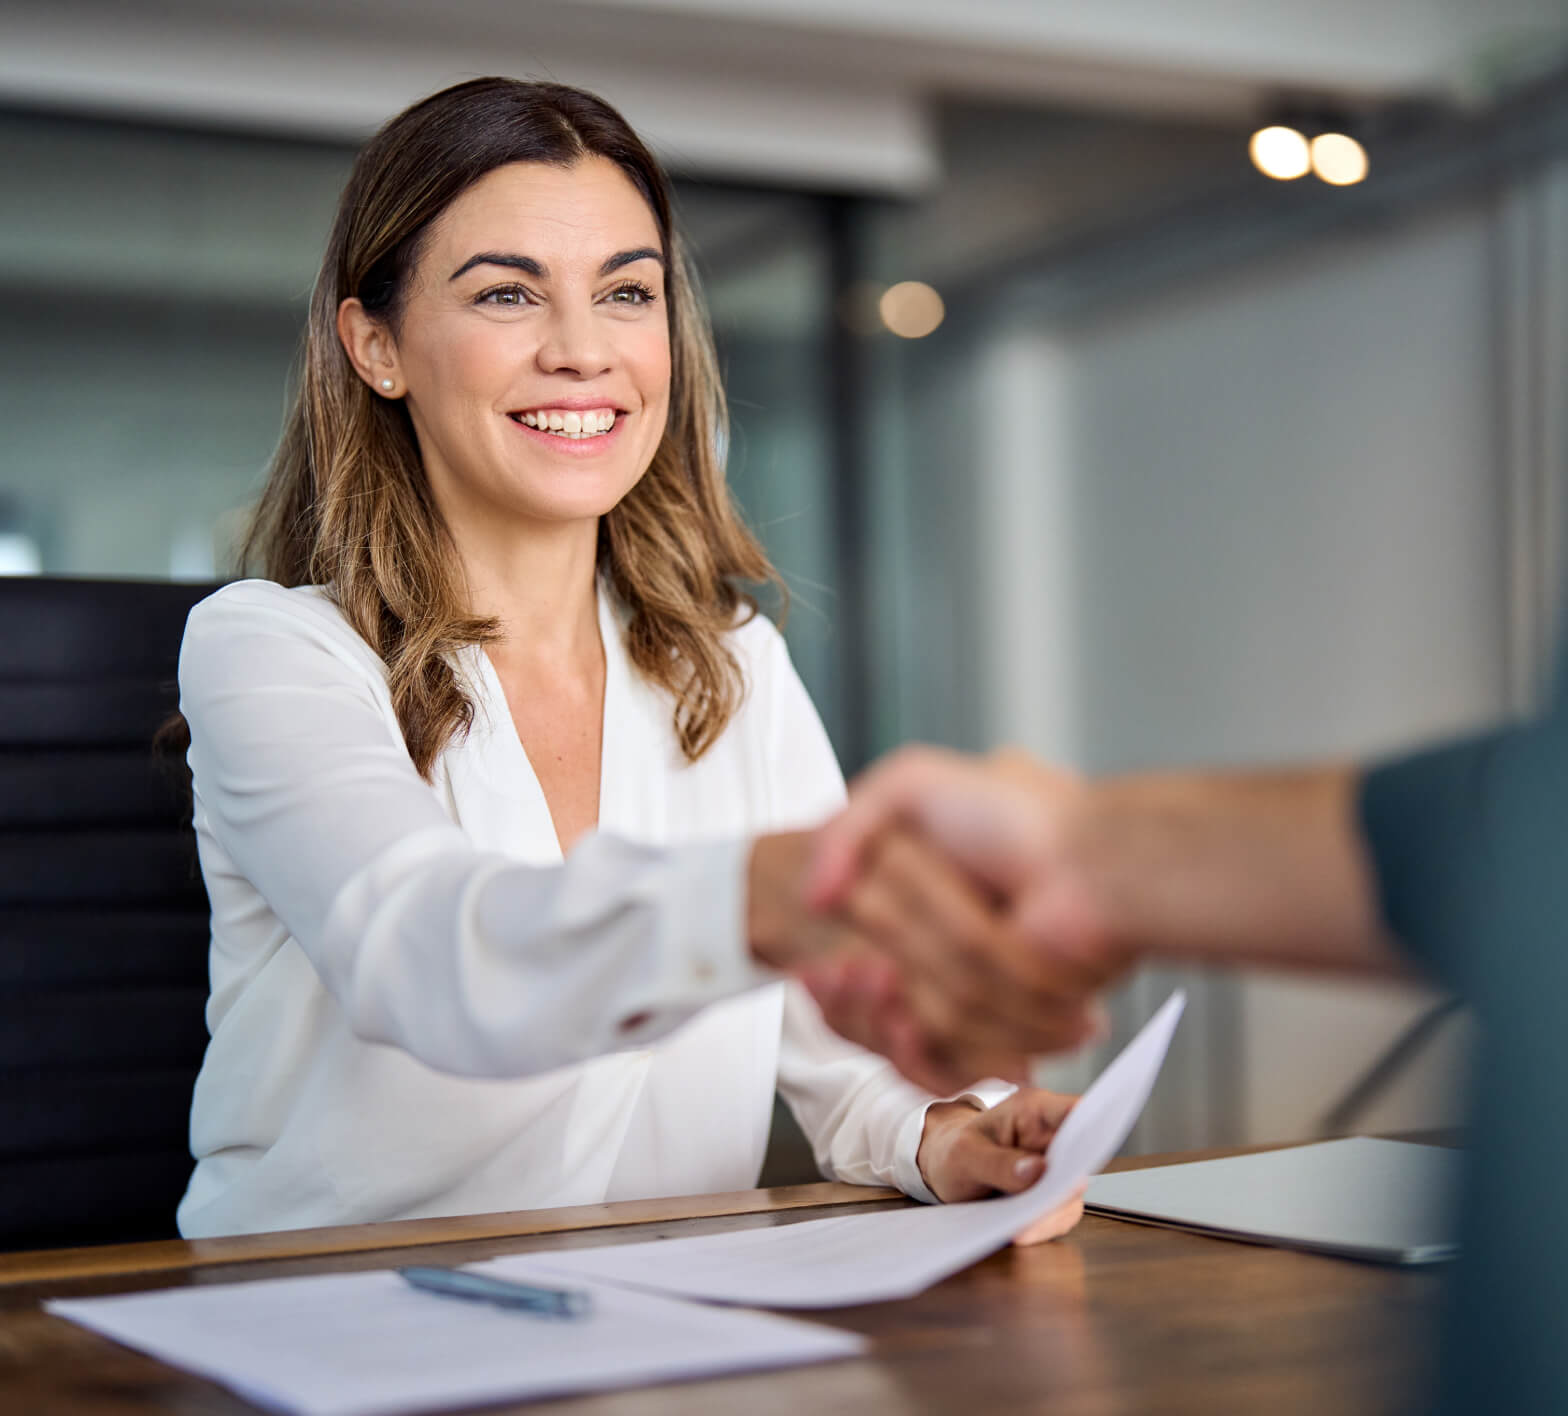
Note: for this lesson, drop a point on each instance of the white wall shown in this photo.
(1258, 518)
(1289, 517)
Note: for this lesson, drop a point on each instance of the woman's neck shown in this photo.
(540, 587)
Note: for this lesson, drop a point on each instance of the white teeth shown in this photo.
(572, 425)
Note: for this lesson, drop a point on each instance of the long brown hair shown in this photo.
(347, 505)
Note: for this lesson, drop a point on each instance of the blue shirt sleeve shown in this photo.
(1423, 818)
(1470, 847)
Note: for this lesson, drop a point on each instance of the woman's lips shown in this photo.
(564, 444)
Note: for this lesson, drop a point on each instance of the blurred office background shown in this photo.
(1182, 464)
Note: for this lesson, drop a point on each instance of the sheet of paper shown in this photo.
(367, 1344)
(869, 1258)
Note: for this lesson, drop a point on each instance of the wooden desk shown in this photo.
(1117, 1318)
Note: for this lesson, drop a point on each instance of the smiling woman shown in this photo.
(499, 365)
(452, 259)
(566, 345)
(498, 776)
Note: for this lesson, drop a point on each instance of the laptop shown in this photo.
(1362, 1198)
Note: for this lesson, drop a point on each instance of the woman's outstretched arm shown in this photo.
(470, 961)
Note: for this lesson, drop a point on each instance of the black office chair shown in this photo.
(103, 918)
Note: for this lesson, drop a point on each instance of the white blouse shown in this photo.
(419, 1009)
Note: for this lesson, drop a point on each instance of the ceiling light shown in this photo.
(1281, 153)
(1339, 159)
(911, 309)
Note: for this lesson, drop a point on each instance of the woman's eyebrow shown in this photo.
(626, 258)
(529, 266)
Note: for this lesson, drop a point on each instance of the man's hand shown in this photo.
(1006, 823)
(967, 1153)
(908, 898)
(995, 817)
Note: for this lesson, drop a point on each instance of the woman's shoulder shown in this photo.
(778, 714)
(755, 640)
(240, 596)
(762, 655)
(752, 639)
(240, 618)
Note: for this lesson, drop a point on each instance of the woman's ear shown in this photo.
(370, 349)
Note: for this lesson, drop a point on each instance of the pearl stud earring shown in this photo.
(387, 385)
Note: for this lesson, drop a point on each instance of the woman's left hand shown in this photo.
(966, 1153)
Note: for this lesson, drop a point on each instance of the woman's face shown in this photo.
(534, 350)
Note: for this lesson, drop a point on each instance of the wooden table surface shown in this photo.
(1115, 1318)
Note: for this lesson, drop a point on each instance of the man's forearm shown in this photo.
(1268, 868)
(1094, 877)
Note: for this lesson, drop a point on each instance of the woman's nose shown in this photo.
(574, 343)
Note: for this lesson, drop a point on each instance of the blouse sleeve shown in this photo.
(470, 961)
(863, 1119)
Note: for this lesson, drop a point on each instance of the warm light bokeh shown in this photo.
(1281, 153)
(911, 309)
(1338, 159)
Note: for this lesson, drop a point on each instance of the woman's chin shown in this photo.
(587, 499)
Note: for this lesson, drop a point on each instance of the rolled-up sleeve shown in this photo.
(1467, 843)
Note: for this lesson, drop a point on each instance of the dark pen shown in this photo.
(504, 1293)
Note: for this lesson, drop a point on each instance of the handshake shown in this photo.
(962, 916)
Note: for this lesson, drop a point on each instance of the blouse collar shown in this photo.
(495, 790)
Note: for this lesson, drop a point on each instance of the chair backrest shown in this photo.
(103, 918)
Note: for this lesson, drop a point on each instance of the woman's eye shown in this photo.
(634, 292)
(504, 295)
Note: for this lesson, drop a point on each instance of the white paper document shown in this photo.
(870, 1258)
(367, 1344)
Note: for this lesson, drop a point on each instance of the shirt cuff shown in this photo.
(906, 1149)
(906, 1156)
(991, 1092)
(1423, 821)
(703, 950)
(706, 941)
